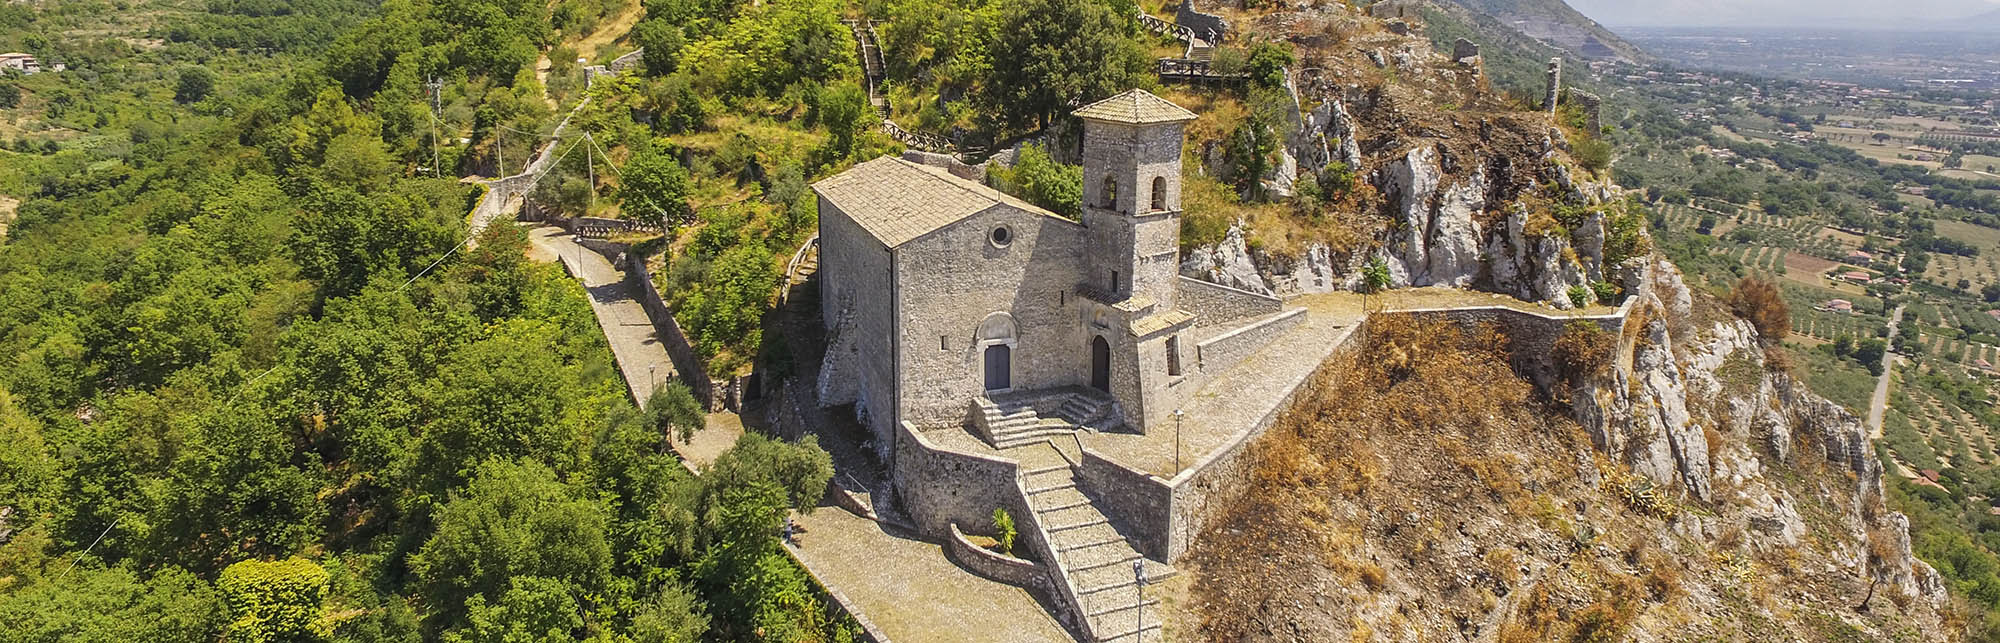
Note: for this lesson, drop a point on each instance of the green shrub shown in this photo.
(1580, 296)
(1003, 524)
(275, 601)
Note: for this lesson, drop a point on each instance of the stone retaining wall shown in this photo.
(686, 362)
(1214, 303)
(1137, 502)
(939, 487)
(992, 565)
(1218, 353)
(1225, 472)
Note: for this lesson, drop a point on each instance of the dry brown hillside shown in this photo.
(1432, 494)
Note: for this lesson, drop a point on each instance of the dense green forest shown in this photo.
(258, 387)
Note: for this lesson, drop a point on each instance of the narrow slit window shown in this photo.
(944, 342)
(1174, 355)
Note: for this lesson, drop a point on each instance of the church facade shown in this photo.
(939, 291)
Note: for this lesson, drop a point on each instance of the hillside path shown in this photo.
(1880, 403)
(641, 358)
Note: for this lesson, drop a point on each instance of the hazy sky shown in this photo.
(1751, 13)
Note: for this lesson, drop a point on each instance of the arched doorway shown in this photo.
(996, 337)
(1100, 364)
(998, 367)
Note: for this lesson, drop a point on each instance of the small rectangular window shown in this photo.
(1174, 355)
(1114, 281)
(944, 342)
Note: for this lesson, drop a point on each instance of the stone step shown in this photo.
(1054, 468)
(1036, 491)
(1068, 514)
(1085, 540)
(1058, 500)
(1126, 606)
(1132, 631)
(1087, 522)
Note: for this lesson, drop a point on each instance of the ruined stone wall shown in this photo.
(952, 281)
(1206, 26)
(1215, 304)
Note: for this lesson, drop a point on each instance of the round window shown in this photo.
(1002, 236)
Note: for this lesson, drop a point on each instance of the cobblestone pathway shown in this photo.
(910, 591)
(641, 357)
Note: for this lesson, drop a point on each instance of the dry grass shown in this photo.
(1347, 482)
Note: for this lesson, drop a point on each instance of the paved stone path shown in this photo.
(635, 345)
(1880, 403)
(910, 591)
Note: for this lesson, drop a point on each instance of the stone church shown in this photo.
(941, 292)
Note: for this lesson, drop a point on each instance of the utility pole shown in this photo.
(436, 88)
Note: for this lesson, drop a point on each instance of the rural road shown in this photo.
(636, 346)
(1880, 404)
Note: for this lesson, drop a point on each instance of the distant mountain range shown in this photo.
(1555, 23)
(1952, 15)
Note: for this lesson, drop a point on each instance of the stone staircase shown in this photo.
(1199, 49)
(1012, 421)
(872, 68)
(1012, 425)
(1093, 557)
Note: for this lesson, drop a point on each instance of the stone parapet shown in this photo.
(992, 565)
(1216, 354)
(1214, 303)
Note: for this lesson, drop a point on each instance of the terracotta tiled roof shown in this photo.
(1136, 106)
(896, 200)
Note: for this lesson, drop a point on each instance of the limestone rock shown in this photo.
(1227, 263)
(1313, 272)
(1454, 238)
(1409, 183)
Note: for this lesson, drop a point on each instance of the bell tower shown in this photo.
(1132, 195)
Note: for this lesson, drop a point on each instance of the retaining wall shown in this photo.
(686, 362)
(992, 565)
(1218, 304)
(1218, 353)
(1136, 501)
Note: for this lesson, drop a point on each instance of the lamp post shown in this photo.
(652, 381)
(1178, 414)
(1139, 587)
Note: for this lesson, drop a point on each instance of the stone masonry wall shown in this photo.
(1206, 26)
(1225, 472)
(1217, 304)
(1136, 502)
(952, 281)
(858, 307)
(1218, 353)
(686, 363)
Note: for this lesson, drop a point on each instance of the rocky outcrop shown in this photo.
(1537, 265)
(1227, 263)
(1693, 407)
